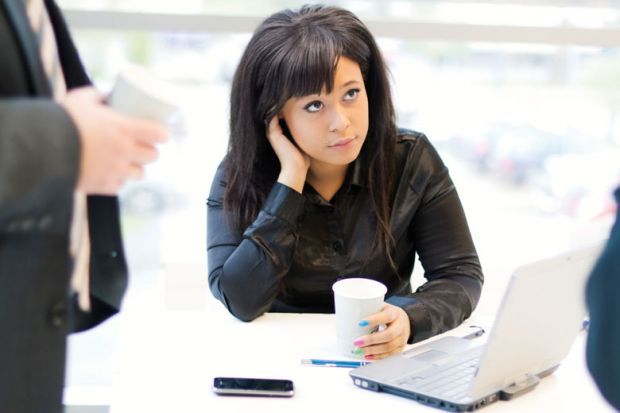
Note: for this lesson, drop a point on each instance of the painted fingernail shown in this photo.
(358, 342)
(369, 357)
(363, 323)
(358, 352)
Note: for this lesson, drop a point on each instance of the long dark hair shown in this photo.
(293, 53)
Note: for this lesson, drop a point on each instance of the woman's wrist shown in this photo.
(293, 179)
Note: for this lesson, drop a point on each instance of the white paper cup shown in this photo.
(355, 299)
(138, 93)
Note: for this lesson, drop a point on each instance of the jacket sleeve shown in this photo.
(246, 266)
(39, 164)
(446, 250)
(603, 343)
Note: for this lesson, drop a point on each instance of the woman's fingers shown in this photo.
(282, 146)
(274, 130)
(294, 163)
(392, 339)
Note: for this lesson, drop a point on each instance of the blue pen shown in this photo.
(335, 363)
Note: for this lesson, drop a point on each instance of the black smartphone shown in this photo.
(241, 386)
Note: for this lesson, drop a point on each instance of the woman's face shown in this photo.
(331, 128)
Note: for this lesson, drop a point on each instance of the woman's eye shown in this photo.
(351, 94)
(313, 107)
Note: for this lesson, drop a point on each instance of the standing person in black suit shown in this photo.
(58, 144)
(603, 349)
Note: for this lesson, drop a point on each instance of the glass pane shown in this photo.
(534, 125)
(531, 134)
(602, 13)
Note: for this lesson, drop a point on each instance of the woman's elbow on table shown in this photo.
(241, 308)
(247, 292)
(246, 314)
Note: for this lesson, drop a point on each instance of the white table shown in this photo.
(168, 362)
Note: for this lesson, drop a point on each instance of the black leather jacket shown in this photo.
(300, 244)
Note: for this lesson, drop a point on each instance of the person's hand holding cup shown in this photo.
(366, 327)
(139, 94)
(118, 138)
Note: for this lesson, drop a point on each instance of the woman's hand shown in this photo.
(294, 163)
(391, 340)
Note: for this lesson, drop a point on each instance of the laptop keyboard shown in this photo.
(450, 382)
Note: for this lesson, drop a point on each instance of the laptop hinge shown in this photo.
(520, 387)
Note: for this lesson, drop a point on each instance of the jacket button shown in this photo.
(45, 222)
(338, 246)
(58, 314)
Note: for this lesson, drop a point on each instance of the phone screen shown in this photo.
(253, 387)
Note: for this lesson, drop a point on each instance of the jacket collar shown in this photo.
(16, 13)
(356, 177)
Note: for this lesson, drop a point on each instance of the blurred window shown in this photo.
(527, 120)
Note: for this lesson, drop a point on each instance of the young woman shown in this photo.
(319, 185)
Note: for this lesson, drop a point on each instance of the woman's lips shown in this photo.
(342, 143)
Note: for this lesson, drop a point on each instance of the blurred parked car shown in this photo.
(580, 185)
(517, 152)
(513, 151)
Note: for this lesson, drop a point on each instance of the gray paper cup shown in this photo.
(139, 94)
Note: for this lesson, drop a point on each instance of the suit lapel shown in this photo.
(16, 13)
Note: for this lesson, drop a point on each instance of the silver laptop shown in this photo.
(541, 313)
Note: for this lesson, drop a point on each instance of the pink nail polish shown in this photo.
(358, 342)
(369, 357)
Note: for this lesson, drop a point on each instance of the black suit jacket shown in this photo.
(39, 165)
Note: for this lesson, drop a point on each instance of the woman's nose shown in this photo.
(340, 120)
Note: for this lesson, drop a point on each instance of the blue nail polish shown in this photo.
(363, 323)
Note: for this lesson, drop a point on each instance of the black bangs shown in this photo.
(312, 58)
(304, 61)
(309, 68)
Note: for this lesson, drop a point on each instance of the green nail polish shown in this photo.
(358, 351)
